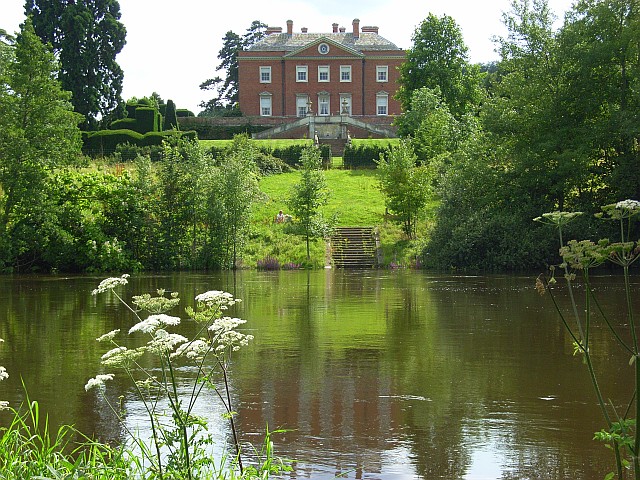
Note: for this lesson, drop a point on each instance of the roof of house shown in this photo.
(366, 41)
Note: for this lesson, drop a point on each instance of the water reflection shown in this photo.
(377, 374)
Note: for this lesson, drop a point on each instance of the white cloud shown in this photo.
(172, 46)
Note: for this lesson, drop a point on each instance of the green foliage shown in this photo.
(106, 142)
(147, 119)
(308, 196)
(405, 185)
(39, 134)
(29, 449)
(363, 155)
(556, 133)
(224, 132)
(439, 59)
(434, 131)
(579, 258)
(86, 36)
(170, 117)
(227, 89)
(234, 191)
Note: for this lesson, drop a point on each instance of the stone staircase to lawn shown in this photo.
(354, 247)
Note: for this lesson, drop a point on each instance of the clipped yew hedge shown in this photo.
(104, 142)
(364, 155)
(290, 154)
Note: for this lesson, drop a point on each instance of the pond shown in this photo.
(376, 374)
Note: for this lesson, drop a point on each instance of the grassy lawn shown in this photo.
(354, 197)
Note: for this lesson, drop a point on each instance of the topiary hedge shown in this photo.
(183, 112)
(363, 155)
(289, 155)
(104, 142)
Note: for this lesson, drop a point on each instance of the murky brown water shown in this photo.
(378, 374)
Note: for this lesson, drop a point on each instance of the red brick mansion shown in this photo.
(335, 80)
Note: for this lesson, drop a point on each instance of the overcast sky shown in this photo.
(172, 45)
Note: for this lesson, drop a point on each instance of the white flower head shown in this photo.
(3, 373)
(111, 283)
(107, 337)
(164, 342)
(216, 298)
(153, 322)
(98, 381)
(631, 205)
(4, 405)
(223, 330)
(195, 350)
(113, 352)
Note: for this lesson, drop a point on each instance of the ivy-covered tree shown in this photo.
(39, 133)
(224, 103)
(439, 59)
(86, 36)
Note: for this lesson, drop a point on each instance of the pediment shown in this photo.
(335, 49)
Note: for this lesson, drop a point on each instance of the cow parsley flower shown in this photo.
(217, 298)
(223, 329)
(164, 342)
(628, 205)
(107, 337)
(195, 350)
(111, 283)
(3, 373)
(98, 381)
(153, 322)
(4, 405)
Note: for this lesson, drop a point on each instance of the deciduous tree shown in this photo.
(309, 195)
(439, 58)
(86, 36)
(39, 133)
(404, 184)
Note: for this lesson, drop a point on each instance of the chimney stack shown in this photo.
(343, 29)
(370, 30)
(272, 30)
(304, 29)
(356, 28)
(335, 27)
(289, 27)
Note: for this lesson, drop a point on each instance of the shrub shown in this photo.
(147, 119)
(170, 119)
(358, 155)
(269, 263)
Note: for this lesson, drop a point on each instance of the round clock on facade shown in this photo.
(323, 48)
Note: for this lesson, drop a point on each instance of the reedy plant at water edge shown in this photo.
(621, 433)
(179, 440)
(30, 449)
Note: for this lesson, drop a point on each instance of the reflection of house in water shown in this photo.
(347, 410)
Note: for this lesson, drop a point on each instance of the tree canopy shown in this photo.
(39, 133)
(439, 59)
(227, 89)
(86, 36)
